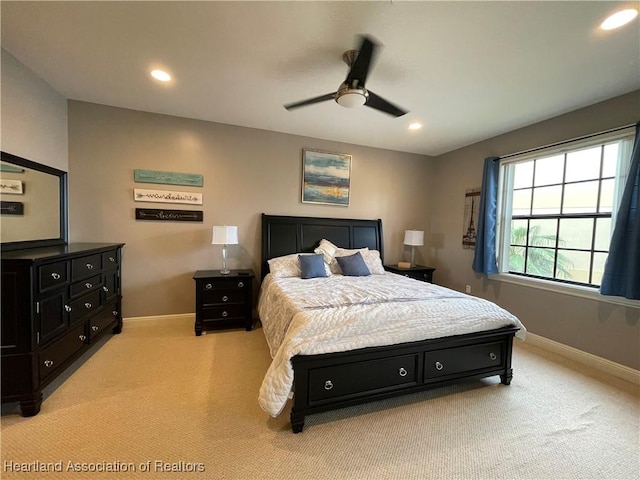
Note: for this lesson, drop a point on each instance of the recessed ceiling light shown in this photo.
(619, 19)
(415, 126)
(160, 75)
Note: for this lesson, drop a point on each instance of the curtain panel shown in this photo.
(621, 275)
(485, 258)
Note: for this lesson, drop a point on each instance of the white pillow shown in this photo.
(327, 249)
(288, 266)
(372, 259)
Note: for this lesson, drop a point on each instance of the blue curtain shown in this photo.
(485, 260)
(622, 271)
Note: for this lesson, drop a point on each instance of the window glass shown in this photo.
(549, 170)
(583, 164)
(522, 202)
(519, 232)
(606, 195)
(599, 260)
(574, 265)
(580, 197)
(603, 233)
(542, 232)
(540, 261)
(523, 174)
(576, 233)
(610, 160)
(546, 200)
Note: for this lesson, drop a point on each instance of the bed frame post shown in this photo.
(506, 377)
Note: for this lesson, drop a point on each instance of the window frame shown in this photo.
(504, 216)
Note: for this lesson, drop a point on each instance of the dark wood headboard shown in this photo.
(283, 235)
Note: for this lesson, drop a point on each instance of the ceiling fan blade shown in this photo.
(311, 101)
(360, 68)
(379, 103)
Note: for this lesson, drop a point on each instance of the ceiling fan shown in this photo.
(352, 92)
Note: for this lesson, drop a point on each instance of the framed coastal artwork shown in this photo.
(326, 177)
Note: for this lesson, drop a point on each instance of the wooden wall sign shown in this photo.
(11, 208)
(168, 178)
(11, 186)
(166, 196)
(169, 215)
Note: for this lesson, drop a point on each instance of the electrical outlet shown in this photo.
(467, 289)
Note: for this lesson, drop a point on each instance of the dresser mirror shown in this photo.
(34, 204)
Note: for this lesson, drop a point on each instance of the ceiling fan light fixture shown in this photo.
(351, 97)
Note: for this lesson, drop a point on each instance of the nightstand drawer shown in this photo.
(216, 297)
(224, 312)
(226, 284)
(441, 363)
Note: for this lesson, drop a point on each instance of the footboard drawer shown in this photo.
(452, 361)
(359, 378)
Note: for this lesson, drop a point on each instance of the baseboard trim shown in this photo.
(602, 364)
(175, 316)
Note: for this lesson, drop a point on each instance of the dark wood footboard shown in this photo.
(336, 380)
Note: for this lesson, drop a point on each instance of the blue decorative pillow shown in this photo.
(353, 265)
(312, 266)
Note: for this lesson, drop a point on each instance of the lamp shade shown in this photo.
(414, 237)
(226, 235)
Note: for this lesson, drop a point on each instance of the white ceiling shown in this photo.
(466, 70)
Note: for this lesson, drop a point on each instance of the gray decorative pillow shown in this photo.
(353, 265)
(311, 266)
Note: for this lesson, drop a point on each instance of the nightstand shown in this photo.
(223, 301)
(419, 272)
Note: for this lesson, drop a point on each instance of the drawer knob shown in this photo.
(48, 363)
(88, 285)
(402, 372)
(82, 337)
(492, 356)
(112, 260)
(240, 284)
(225, 298)
(87, 305)
(95, 328)
(115, 313)
(439, 366)
(208, 286)
(328, 385)
(89, 266)
(67, 308)
(225, 313)
(55, 276)
(105, 289)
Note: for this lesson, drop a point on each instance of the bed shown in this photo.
(331, 353)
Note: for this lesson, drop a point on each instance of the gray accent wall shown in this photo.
(34, 116)
(597, 327)
(246, 172)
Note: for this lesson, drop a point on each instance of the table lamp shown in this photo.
(225, 235)
(414, 238)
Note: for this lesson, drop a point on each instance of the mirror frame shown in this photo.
(62, 178)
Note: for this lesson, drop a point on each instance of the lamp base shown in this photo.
(225, 272)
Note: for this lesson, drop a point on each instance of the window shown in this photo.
(557, 209)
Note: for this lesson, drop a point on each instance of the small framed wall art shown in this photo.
(326, 177)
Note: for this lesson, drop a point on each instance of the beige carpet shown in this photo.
(157, 395)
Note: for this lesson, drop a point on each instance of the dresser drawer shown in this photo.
(102, 321)
(84, 306)
(225, 312)
(110, 260)
(441, 363)
(55, 356)
(226, 284)
(85, 266)
(214, 297)
(86, 285)
(362, 378)
(52, 275)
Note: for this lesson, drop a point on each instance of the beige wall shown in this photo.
(603, 329)
(246, 172)
(34, 116)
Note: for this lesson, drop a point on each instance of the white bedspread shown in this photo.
(340, 313)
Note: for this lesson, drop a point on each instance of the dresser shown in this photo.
(223, 300)
(56, 303)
